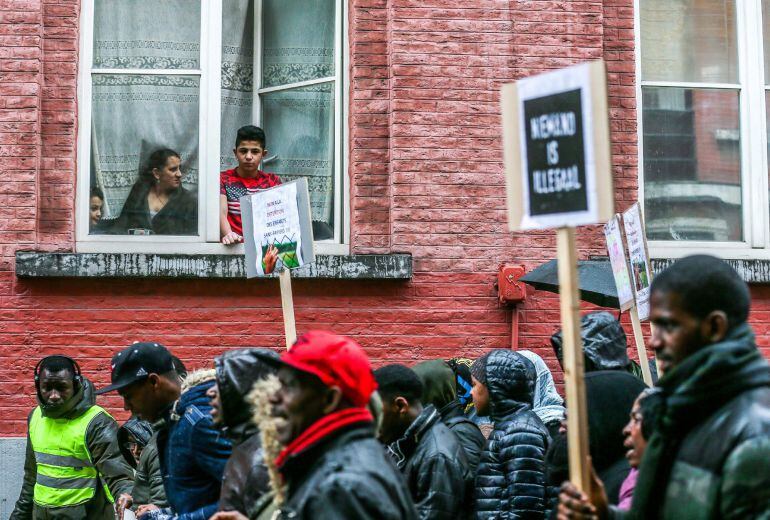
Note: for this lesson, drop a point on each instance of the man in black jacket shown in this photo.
(332, 464)
(440, 390)
(426, 451)
(708, 454)
(246, 476)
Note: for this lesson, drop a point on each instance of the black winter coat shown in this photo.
(148, 480)
(346, 475)
(246, 477)
(435, 467)
(467, 432)
(511, 480)
(178, 217)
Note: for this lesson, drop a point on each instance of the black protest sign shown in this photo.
(556, 169)
(556, 149)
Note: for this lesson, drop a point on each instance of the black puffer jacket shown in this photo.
(435, 467)
(440, 389)
(511, 481)
(346, 475)
(246, 477)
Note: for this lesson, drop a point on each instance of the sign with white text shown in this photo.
(277, 230)
(557, 149)
(617, 253)
(639, 259)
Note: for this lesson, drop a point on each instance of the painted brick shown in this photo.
(426, 178)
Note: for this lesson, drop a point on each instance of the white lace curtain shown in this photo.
(134, 114)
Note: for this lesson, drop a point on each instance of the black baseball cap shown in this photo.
(136, 363)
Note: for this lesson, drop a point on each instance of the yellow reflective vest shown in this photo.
(66, 475)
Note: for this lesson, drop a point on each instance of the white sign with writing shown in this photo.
(277, 229)
(639, 259)
(617, 252)
(556, 148)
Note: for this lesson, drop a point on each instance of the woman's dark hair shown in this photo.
(157, 159)
(97, 192)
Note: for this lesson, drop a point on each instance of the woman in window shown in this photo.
(157, 203)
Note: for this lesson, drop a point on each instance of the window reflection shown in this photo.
(692, 168)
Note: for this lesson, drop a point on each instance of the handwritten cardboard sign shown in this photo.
(617, 252)
(556, 145)
(639, 259)
(277, 230)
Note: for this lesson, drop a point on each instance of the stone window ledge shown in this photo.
(35, 264)
(752, 271)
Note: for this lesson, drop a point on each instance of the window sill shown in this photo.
(752, 271)
(35, 264)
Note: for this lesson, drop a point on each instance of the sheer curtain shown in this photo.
(133, 114)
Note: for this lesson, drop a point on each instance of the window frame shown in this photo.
(755, 198)
(209, 131)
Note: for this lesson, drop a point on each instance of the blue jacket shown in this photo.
(192, 454)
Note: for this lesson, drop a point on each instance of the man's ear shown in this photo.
(154, 380)
(715, 326)
(332, 399)
(401, 404)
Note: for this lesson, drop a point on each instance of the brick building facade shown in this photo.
(425, 172)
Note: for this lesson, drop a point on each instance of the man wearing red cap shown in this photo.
(332, 464)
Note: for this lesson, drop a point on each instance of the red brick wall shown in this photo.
(425, 166)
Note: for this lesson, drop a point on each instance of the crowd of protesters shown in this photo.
(315, 433)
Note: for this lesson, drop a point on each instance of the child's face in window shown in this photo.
(249, 155)
(95, 210)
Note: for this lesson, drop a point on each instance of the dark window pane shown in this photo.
(692, 168)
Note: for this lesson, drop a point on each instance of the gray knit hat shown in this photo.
(479, 368)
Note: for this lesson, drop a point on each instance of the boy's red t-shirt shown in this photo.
(234, 187)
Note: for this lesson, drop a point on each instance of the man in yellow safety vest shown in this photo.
(74, 468)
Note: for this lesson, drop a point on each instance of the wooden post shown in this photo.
(641, 349)
(577, 412)
(287, 303)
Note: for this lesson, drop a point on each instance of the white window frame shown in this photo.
(753, 139)
(207, 240)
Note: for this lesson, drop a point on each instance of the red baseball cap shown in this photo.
(336, 360)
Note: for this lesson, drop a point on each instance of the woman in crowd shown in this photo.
(637, 432)
(157, 203)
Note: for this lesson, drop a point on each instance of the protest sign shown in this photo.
(278, 237)
(626, 300)
(617, 252)
(639, 258)
(556, 150)
(277, 230)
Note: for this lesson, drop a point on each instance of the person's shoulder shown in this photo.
(267, 180)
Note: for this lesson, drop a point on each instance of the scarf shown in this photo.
(321, 429)
(404, 447)
(691, 392)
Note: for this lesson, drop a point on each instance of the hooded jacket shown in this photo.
(192, 452)
(610, 395)
(246, 476)
(440, 390)
(511, 480)
(434, 464)
(102, 444)
(547, 403)
(148, 481)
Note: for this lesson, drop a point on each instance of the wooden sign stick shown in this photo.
(577, 412)
(641, 348)
(287, 303)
